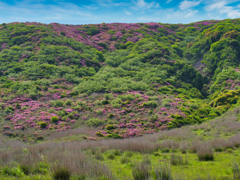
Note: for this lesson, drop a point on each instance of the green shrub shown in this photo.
(68, 102)
(154, 118)
(150, 93)
(104, 102)
(126, 97)
(94, 122)
(194, 106)
(42, 124)
(151, 104)
(18, 106)
(99, 134)
(54, 119)
(108, 136)
(56, 103)
(111, 32)
(166, 102)
(24, 107)
(51, 110)
(99, 112)
(110, 127)
(116, 136)
(61, 113)
(108, 96)
(110, 115)
(9, 109)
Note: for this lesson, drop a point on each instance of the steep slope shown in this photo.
(217, 51)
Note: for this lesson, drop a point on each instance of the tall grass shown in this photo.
(36, 158)
(163, 172)
(44, 157)
(205, 152)
(236, 171)
(141, 172)
(177, 159)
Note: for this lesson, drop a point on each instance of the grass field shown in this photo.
(204, 151)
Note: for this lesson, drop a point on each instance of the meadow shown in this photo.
(206, 151)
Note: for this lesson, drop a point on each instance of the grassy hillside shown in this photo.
(115, 81)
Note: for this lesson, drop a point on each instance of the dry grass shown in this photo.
(63, 154)
(141, 172)
(71, 155)
(205, 152)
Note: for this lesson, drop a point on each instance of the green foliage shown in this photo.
(110, 127)
(166, 102)
(99, 134)
(178, 50)
(16, 171)
(42, 124)
(57, 103)
(94, 122)
(151, 104)
(111, 32)
(92, 30)
(54, 119)
(100, 56)
(116, 136)
(190, 29)
(68, 102)
(111, 115)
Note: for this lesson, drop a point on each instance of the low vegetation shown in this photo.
(207, 151)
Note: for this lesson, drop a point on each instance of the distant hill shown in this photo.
(124, 79)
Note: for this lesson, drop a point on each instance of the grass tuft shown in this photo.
(177, 159)
(205, 152)
(141, 172)
(163, 172)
